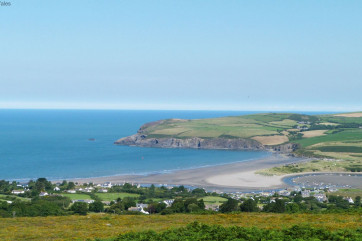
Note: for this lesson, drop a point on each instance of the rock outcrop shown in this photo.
(194, 142)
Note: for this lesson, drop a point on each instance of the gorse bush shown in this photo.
(201, 232)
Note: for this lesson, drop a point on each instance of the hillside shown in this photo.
(337, 135)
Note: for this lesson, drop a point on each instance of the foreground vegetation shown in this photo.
(196, 231)
(107, 225)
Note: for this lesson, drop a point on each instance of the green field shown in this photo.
(77, 196)
(213, 200)
(114, 196)
(346, 136)
(11, 197)
(330, 136)
(232, 127)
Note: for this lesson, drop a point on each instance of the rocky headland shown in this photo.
(142, 139)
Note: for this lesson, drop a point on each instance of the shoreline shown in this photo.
(239, 176)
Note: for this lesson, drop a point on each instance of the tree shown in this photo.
(199, 192)
(229, 206)
(357, 201)
(96, 207)
(71, 185)
(193, 207)
(249, 206)
(80, 208)
(42, 184)
(292, 208)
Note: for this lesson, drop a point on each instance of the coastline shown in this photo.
(238, 176)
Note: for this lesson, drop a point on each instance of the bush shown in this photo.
(80, 208)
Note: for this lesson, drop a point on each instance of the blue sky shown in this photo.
(232, 55)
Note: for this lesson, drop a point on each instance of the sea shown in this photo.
(64, 144)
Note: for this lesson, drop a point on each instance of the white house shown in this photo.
(168, 202)
(89, 201)
(103, 190)
(43, 194)
(56, 189)
(107, 185)
(71, 191)
(17, 192)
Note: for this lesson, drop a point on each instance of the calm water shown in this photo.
(55, 144)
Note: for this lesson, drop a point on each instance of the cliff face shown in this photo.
(195, 142)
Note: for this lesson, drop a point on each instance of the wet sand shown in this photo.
(321, 180)
(229, 177)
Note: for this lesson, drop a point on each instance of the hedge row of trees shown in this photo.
(196, 231)
(293, 205)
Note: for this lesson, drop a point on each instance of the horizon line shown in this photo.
(155, 109)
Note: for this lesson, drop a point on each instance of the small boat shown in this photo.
(91, 139)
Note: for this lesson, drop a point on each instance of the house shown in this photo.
(56, 189)
(350, 200)
(142, 205)
(107, 185)
(321, 197)
(103, 190)
(212, 207)
(17, 192)
(106, 203)
(71, 191)
(43, 194)
(305, 193)
(168, 202)
(88, 189)
(89, 201)
(139, 208)
(284, 193)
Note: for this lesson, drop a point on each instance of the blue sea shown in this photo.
(56, 144)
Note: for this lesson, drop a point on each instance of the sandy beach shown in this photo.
(230, 177)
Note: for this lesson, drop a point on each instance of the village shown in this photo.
(142, 196)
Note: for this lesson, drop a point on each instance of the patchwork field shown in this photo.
(106, 226)
(114, 196)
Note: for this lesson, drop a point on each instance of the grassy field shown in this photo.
(77, 196)
(350, 192)
(234, 127)
(10, 197)
(114, 196)
(214, 200)
(312, 166)
(106, 226)
(331, 136)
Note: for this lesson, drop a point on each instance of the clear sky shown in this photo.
(189, 54)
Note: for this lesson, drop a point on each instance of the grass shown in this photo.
(346, 135)
(76, 196)
(11, 197)
(233, 126)
(350, 192)
(311, 166)
(106, 226)
(114, 196)
(354, 149)
(214, 200)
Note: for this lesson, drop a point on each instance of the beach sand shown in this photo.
(229, 177)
